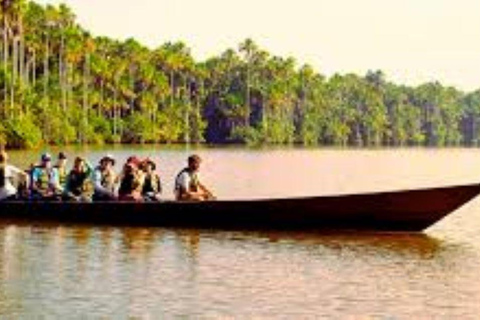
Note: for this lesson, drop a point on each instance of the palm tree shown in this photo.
(248, 48)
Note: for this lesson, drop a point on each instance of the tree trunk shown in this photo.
(86, 72)
(68, 85)
(61, 72)
(14, 71)
(132, 87)
(21, 67)
(46, 69)
(34, 71)
(5, 64)
(247, 97)
(172, 87)
(115, 112)
(100, 108)
(14, 59)
(188, 101)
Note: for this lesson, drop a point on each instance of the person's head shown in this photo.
(194, 162)
(62, 159)
(46, 160)
(107, 162)
(79, 164)
(129, 169)
(148, 166)
(3, 157)
(134, 160)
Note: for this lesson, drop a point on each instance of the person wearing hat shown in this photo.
(104, 178)
(43, 186)
(152, 185)
(187, 184)
(60, 172)
(8, 173)
(79, 186)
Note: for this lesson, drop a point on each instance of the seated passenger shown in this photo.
(104, 180)
(131, 183)
(79, 185)
(8, 174)
(60, 172)
(152, 185)
(43, 184)
(187, 184)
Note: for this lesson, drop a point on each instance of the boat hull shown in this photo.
(409, 211)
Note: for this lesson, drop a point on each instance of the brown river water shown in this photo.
(50, 271)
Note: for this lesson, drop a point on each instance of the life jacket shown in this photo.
(78, 183)
(107, 179)
(194, 182)
(152, 184)
(62, 175)
(43, 182)
(2, 176)
(129, 184)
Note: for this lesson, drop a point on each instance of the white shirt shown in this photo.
(9, 189)
(184, 180)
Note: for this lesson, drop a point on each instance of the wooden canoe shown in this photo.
(411, 211)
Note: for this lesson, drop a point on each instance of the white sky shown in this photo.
(412, 41)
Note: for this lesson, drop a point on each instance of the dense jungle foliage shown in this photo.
(60, 85)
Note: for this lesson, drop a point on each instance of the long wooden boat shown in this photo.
(411, 210)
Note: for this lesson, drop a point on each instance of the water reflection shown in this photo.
(52, 271)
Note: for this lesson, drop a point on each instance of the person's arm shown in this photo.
(21, 175)
(97, 182)
(204, 191)
(185, 193)
(35, 177)
(68, 188)
(209, 195)
(88, 169)
(55, 181)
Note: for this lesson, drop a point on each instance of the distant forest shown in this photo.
(60, 85)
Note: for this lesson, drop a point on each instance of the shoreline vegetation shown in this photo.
(59, 85)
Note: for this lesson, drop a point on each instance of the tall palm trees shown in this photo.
(61, 84)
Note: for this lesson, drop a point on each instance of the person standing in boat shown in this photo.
(8, 173)
(187, 183)
(60, 172)
(79, 186)
(104, 179)
(152, 185)
(43, 186)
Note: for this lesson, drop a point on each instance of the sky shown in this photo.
(412, 41)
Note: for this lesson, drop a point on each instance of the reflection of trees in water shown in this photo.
(137, 271)
(138, 242)
(10, 296)
(190, 241)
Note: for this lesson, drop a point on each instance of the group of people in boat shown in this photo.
(138, 180)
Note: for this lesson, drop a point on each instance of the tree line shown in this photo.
(61, 85)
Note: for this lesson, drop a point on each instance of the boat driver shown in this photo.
(187, 184)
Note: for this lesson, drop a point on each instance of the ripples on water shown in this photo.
(73, 272)
(69, 272)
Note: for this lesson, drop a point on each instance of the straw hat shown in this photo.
(108, 157)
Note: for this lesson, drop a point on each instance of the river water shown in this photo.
(77, 272)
